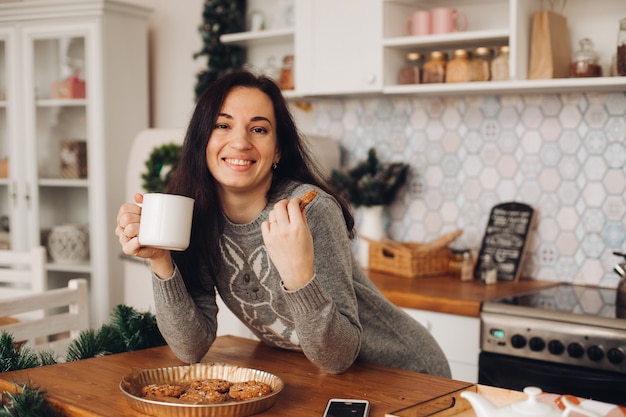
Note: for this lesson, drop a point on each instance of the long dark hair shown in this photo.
(193, 179)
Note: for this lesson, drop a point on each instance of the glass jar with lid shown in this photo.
(434, 70)
(411, 71)
(458, 69)
(480, 65)
(621, 48)
(500, 65)
(286, 73)
(585, 63)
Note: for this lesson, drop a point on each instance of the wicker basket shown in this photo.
(405, 260)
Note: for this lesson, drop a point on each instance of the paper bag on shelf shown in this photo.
(549, 46)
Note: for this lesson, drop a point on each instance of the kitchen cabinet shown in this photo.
(333, 51)
(360, 47)
(337, 46)
(73, 88)
(459, 338)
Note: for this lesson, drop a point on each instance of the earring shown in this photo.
(274, 166)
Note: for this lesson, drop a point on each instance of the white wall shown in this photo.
(174, 38)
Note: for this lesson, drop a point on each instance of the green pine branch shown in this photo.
(27, 401)
(14, 356)
(371, 182)
(129, 330)
(138, 329)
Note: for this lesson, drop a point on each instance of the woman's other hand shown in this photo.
(289, 243)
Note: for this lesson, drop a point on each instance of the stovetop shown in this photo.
(569, 299)
(570, 324)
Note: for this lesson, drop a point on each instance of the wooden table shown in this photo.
(91, 387)
(447, 293)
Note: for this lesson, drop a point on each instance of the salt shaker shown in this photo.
(467, 267)
(488, 270)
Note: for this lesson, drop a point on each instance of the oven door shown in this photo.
(517, 373)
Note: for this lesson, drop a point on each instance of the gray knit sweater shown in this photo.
(338, 317)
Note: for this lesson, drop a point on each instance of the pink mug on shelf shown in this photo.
(419, 24)
(447, 20)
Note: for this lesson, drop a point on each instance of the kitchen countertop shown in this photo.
(90, 387)
(447, 293)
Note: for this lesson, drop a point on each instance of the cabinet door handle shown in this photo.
(27, 196)
(13, 192)
(370, 79)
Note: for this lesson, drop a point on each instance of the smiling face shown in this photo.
(243, 146)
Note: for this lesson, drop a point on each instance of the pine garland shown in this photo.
(14, 357)
(27, 401)
(137, 330)
(129, 330)
(371, 182)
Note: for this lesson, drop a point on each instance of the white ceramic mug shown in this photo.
(447, 20)
(165, 221)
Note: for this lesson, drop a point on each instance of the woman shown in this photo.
(288, 274)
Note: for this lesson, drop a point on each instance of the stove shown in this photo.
(569, 324)
(563, 339)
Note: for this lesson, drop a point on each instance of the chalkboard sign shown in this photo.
(505, 238)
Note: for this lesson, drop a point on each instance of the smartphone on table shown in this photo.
(341, 407)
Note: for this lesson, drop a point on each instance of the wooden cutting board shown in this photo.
(451, 404)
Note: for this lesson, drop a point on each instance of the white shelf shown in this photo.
(61, 102)
(63, 182)
(520, 87)
(259, 37)
(82, 268)
(457, 39)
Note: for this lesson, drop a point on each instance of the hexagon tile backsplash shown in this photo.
(563, 154)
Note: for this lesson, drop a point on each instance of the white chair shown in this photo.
(66, 314)
(22, 272)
